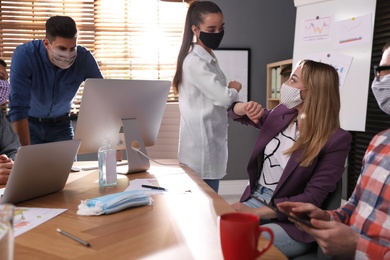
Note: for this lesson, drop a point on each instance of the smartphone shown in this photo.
(300, 220)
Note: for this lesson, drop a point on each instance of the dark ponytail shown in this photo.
(196, 11)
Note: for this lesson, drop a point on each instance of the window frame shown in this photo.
(99, 30)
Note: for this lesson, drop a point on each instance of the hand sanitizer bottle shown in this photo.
(107, 164)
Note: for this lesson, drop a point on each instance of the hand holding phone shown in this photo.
(300, 220)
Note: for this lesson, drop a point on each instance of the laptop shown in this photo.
(39, 170)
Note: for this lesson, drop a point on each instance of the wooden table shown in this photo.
(177, 226)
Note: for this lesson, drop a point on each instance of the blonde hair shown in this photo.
(321, 108)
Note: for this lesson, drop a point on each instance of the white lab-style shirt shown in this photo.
(203, 101)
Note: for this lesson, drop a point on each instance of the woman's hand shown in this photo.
(262, 212)
(238, 206)
(235, 84)
(252, 109)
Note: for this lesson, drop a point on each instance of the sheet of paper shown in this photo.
(136, 184)
(353, 31)
(340, 62)
(316, 29)
(26, 219)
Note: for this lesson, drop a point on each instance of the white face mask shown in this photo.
(4, 91)
(381, 90)
(63, 59)
(289, 96)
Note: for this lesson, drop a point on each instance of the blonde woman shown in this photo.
(300, 153)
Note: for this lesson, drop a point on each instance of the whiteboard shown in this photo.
(235, 65)
(334, 19)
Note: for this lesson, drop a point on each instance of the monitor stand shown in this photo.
(133, 137)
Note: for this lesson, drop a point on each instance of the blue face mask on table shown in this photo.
(112, 203)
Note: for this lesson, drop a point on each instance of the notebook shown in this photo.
(39, 170)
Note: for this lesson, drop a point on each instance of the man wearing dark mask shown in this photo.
(360, 229)
(9, 141)
(45, 77)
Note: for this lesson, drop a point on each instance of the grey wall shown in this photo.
(267, 28)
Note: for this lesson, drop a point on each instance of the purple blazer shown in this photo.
(310, 184)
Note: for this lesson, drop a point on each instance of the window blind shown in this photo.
(22, 21)
(138, 39)
(130, 39)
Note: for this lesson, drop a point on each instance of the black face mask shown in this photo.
(211, 40)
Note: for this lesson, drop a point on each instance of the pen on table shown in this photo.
(85, 243)
(153, 187)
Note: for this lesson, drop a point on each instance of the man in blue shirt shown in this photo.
(45, 76)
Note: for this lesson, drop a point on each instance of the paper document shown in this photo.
(136, 184)
(26, 219)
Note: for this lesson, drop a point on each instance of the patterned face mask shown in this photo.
(381, 90)
(4, 91)
(289, 96)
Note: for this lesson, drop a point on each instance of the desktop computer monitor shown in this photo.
(127, 112)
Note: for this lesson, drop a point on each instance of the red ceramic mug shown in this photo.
(239, 234)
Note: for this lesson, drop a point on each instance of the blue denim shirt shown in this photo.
(40, 89)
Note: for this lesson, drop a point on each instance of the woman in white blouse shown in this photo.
(204, 94)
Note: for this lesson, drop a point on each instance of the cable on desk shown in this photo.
(167, 164)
